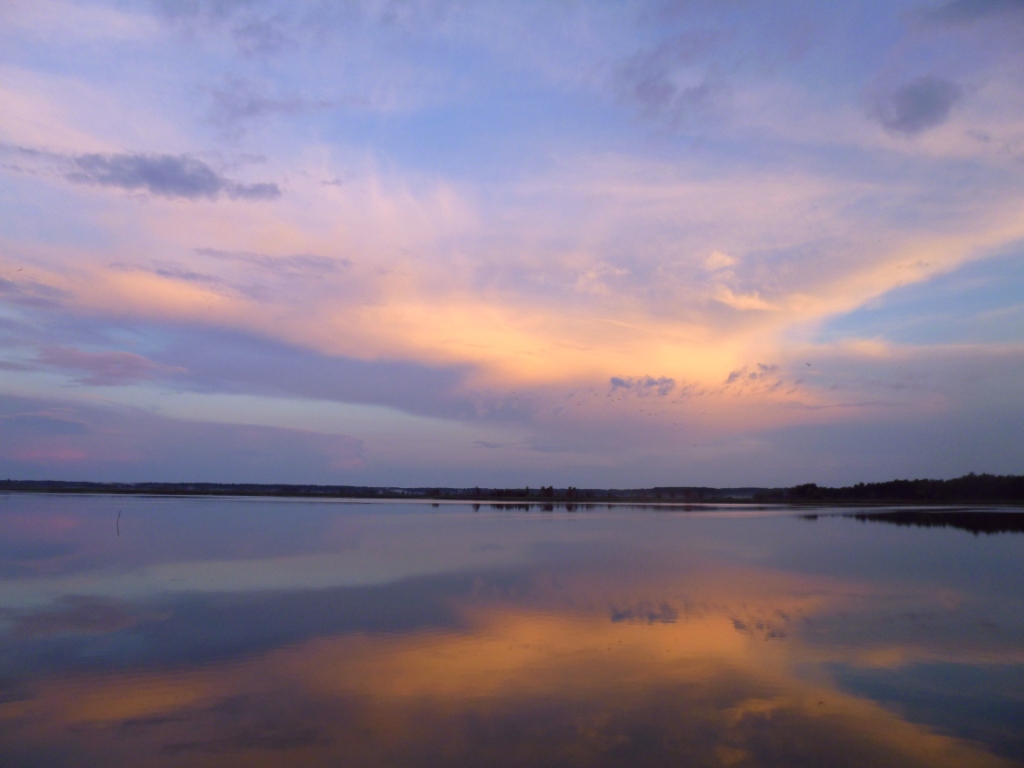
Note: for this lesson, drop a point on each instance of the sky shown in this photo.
(464, 242)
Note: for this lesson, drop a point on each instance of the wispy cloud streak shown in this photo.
(164, 175)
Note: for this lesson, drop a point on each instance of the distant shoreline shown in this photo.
(967, 490)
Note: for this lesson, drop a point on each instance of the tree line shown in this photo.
(970, 488)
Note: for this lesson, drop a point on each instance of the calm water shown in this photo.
(191, 632)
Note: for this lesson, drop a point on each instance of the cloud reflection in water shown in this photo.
(618, 638)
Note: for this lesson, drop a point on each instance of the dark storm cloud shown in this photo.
(915, 107)
(967, 11)
(178, 176)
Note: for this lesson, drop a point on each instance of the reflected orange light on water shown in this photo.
(710, 683)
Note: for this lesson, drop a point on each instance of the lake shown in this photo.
(264, 632)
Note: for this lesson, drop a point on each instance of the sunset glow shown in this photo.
(404, 242)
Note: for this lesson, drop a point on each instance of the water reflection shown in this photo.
(324, 634)
(975, 521)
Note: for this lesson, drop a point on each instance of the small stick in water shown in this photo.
(118, 524)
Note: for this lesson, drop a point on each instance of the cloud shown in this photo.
(489, 445)
(664, 80)
(28, 292)
(176, 273)
(237, 101)
(178, 176)
(206, 9)
(261, 29)
(75, 21)
(130, 444)
(759, 379)
(222, 362)
(644, 386)
(741, 301)
(300, 263)
(718, 260)
(523, 237)
(921, 104)
(105, 368)
(661, 90)
(262, 37)
(645, 613)
(52, 422)
(82, 614)
(968, 11)
(250, 276)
